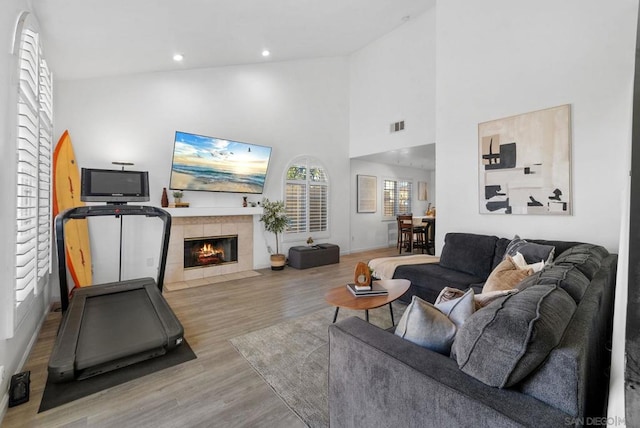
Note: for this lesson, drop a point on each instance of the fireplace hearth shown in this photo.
(208, 251)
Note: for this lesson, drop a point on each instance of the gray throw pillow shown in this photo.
(458, 310)
(426, 326)
(533, 253)
(508, 339)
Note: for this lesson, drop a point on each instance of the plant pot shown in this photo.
(277, 261)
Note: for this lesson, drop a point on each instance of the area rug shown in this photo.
(293, 358)
(57, 394)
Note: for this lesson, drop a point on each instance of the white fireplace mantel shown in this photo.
(213, 211)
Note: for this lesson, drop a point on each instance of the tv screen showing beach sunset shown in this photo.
(218, 165)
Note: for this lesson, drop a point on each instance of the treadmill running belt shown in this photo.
(117, 325)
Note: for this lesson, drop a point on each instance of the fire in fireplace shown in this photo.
(215, 250)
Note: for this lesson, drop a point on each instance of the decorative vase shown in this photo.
(244, 201)
(164, 201)
(277, 261)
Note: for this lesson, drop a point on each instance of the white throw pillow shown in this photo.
(519, 260)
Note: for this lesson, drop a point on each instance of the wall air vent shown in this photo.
(397, 126)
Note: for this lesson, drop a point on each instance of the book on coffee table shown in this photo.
(376, 290)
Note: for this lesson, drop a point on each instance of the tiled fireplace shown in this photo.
(232, 252)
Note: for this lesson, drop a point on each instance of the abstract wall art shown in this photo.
(525, 163)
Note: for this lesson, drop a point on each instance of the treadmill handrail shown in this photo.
(106, 210)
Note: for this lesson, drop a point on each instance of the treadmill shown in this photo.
(108, 326)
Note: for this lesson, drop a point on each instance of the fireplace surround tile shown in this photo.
(205, 226)
(213, 229)
(194, 230)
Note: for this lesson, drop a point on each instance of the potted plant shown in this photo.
(275, 220)
(177, 195)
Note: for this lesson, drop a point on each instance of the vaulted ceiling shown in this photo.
(91, 38)
(86, 39)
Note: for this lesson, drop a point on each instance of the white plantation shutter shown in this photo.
(396, 197)
(306, 198)
(296, 206)
(44, 173)
(33, 181)
(317, 208)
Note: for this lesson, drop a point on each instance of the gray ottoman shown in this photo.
(317, 255)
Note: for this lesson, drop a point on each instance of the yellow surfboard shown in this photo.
(66, 194)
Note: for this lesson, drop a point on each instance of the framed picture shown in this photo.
(367, 191)
(525, 163)
(422, 191)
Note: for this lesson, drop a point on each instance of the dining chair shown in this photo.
(405, 232)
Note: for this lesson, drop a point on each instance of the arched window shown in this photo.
(33, 171)
(307, 199)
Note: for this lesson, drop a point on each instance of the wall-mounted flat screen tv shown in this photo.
(113, 185)
(218, 165)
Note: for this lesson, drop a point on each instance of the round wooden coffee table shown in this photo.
(340, 297)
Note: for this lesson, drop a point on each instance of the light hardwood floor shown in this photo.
(217, 389)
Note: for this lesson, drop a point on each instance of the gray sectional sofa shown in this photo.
(539, 357)
(466, 261)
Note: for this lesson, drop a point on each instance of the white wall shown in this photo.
(298, 108)
(370, 230)
(499, 58)
(15, 349)
(393, 79)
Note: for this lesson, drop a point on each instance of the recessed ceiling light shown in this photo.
(178, 57)
(266, 53)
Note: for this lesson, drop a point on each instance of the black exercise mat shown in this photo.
(57, 394)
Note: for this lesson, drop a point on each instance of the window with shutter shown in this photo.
(396, 197)
(33, 179)
(306, 199)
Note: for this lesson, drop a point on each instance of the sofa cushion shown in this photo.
(426, 326)
(586, 257)
(469, 253)
(428, 280)
(566, 276)
(532, 252)
(505, 276)
(505, 341)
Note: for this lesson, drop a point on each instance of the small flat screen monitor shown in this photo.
(114, 186)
